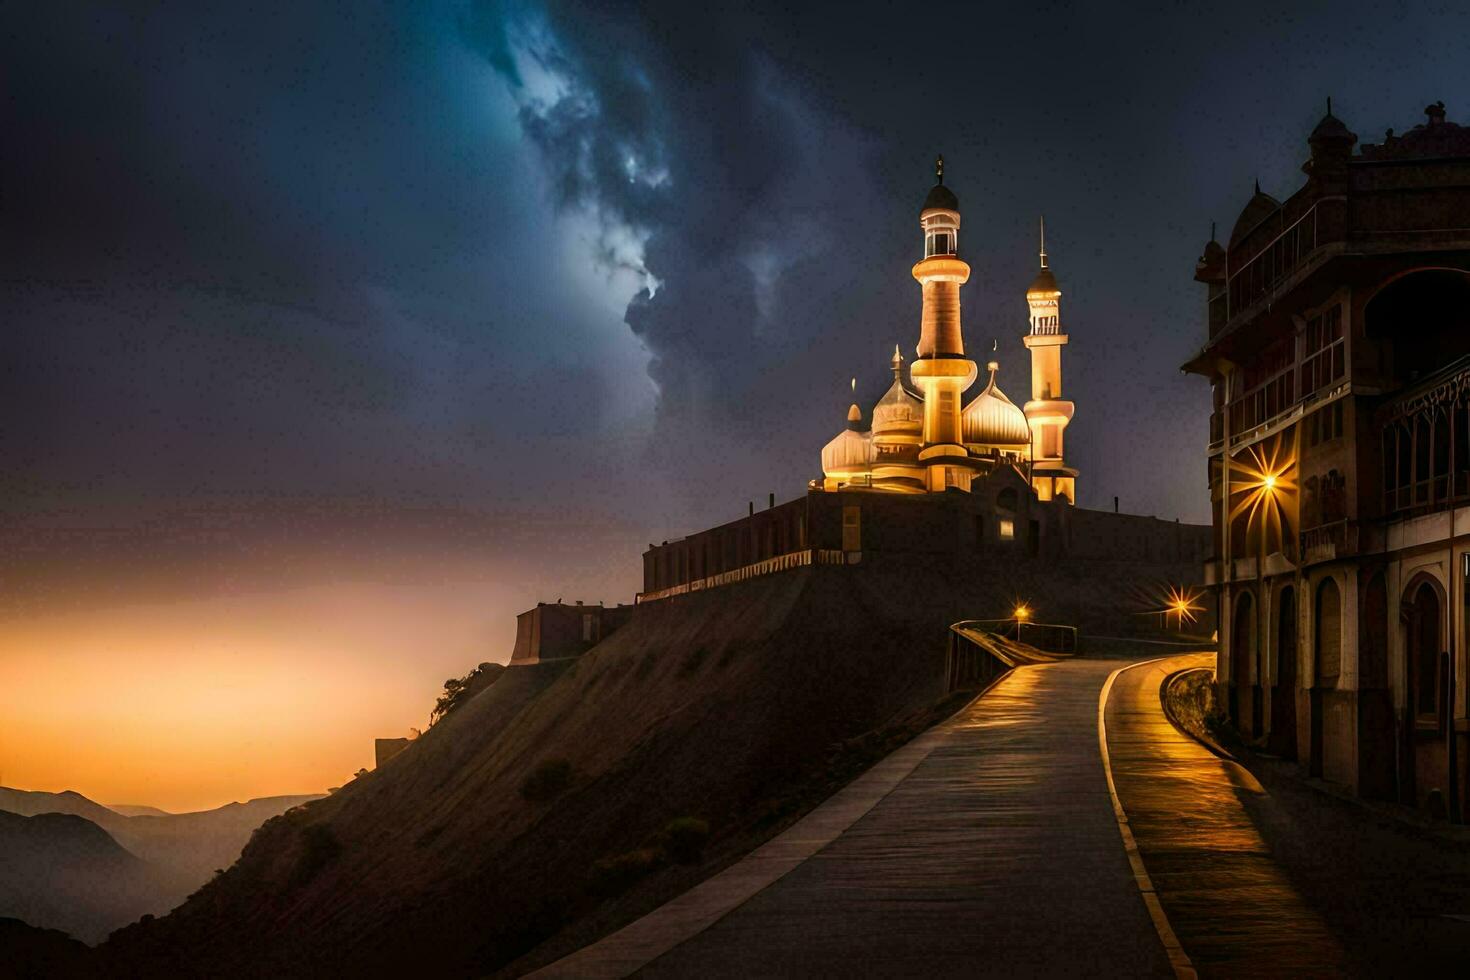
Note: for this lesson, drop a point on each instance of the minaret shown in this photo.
(941, 370)
(1047, 413)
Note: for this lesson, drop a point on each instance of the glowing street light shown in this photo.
(1022, 613)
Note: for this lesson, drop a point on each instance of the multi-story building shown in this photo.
(1339, 461)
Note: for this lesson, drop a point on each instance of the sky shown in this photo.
(332, 336)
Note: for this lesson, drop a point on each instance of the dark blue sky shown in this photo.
(606, 269)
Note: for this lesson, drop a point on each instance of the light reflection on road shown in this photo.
(1232, 908)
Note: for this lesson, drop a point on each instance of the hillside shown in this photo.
(61, 871)
(741, 706)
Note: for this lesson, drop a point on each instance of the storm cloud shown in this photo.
(610, 262)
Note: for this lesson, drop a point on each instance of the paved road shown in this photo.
(994, 845)
(1234, 910)
(998, 853)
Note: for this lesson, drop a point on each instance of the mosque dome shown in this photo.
(992, 419)
(851, 450)
(1044, 284)
(899, 410)
(939, 195)
(1260, 207)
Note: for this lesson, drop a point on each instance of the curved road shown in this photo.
(993, 844)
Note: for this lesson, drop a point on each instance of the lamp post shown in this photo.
(1021, 615)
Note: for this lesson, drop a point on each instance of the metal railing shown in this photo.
(780, 563)
(1050, 637)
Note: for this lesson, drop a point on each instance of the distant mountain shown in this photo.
(28, 803)
(196, 844)
(62, 871)
(69, 863)
(136, 810)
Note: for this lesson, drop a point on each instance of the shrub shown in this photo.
(684, 839)
(611, 875)
(458, 690)
(547, 780)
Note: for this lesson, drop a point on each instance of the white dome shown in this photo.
(898, 410)
(851, 450)
(992, 419)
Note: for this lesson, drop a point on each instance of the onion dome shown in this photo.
(1331, 143)
(992, 419)
(1045, 284)
(851, 450)
(1260, 207)
(899, 410)
(939, 195)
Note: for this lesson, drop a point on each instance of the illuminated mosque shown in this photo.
(922, 439)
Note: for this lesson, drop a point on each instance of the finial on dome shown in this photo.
(939, 169)
(1043, 241)
(1212, 231)
(1329, 105)
(1258, 185)
(897, 364)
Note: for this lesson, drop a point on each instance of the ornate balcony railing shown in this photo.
(1338, 539)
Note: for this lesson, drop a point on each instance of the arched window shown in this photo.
(1425, 646)
(1329, 633)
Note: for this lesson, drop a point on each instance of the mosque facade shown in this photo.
(922, 436)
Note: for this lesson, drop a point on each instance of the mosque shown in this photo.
(920, 438)
(981, 487)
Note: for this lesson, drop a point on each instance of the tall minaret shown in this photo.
(941, 370)
(1047, 413)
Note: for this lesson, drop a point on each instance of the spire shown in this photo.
(897, 364)
(1258, 185)
(1043, 241)
(939, 169)
(1329, 105)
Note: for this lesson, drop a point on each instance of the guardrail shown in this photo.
(974, 658)
(780, 563)
(1050, 637)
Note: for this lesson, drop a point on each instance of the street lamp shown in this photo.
(1022, 614)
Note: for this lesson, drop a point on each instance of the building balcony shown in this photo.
(1327, 542)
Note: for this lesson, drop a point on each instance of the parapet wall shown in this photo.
(1002, 521)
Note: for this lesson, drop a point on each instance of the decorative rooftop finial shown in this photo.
(897, 364)
(939, 169)
(1212, 231)
(1043, 241)
(1329, 105)
(1258, 185)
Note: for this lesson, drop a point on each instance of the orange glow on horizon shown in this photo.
(190, 705)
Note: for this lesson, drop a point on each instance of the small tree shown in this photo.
(458, 690)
